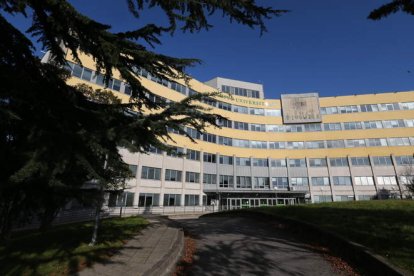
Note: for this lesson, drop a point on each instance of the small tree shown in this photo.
(407, 180)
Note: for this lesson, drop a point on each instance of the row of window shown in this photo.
(321, 144)
(227, 181)
(240, 91)
(299, 162)
(367, 108)
(317, 126)
(120, 86)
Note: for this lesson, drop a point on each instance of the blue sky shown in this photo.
(320, 46)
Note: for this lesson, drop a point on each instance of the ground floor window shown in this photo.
(119, 198)
(147, 200)
(172, 199)
(344, 197)
(192, 200)
(364, 197)
(322, 198)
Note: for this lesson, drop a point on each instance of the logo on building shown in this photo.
(301, 108)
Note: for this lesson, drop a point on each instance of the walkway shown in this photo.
(153, 252)
(242, 246)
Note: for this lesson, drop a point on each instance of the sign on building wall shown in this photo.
(301, 108)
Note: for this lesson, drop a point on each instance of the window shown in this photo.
(193, 154)
(260, 162)
(210, 102)
(335, 144)
(364, 197)
(241, 125)
(313, 127)
(320, 181)
(224, 106)
(386, 180)
(393, 123)
(339, 162)
(295, 145)
(317, 162)
(369, 108)
(192, 177)
(261, 183)
(400, 141)
(133, 169)
(151, 173)
(258, 144)
(226, 181)
(407, 106)
(116, 85)
(241, 143)
(407, 179)
(177, 152)
(224, 123)
(315, 145)
(329, 110)
(155, 150)
(257, 127)
(355, 143)
(179, 88)
(225, 141)
(297, 163)
(148, 200)
(404, 160)
(242, 161)
(228, 160)
(409, 123)
(341, 180)
(209, 157)
(382, 160)
(278, 163)
(372, 124)
(273, 112)
(277, 145)
(299, 181)
(364, 180)
(87, 74)
(244, 182)
(360, 161)
(347, 109)
(193, 133)
(240, 109)
(257, 111)
(377, 142)
(209, 178)
(344, 198)
(77, 71)
(280, 183)
(172, 175)
(172, 199)
(389, 106)
(332, 126)
(352, 125)
(209, 138)
(275, 128)
(322, 198)
(192, 200)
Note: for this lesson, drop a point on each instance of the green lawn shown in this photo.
(386, 227)
(64, 249)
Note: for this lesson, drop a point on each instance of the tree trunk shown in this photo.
(98, 208)
(97, 218)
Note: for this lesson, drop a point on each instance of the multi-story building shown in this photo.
(301, 148)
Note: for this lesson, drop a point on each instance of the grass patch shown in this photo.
(386, 227)
(64, 249)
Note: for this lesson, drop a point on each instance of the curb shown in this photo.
(357, 254)
(166, 265)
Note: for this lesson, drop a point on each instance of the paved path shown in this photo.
(242, 246)
(150, 253)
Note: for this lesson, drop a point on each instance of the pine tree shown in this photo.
(54, 138)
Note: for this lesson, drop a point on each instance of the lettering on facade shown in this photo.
(252, 102)
(301, 108)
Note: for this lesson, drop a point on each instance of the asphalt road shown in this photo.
(242, 246)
